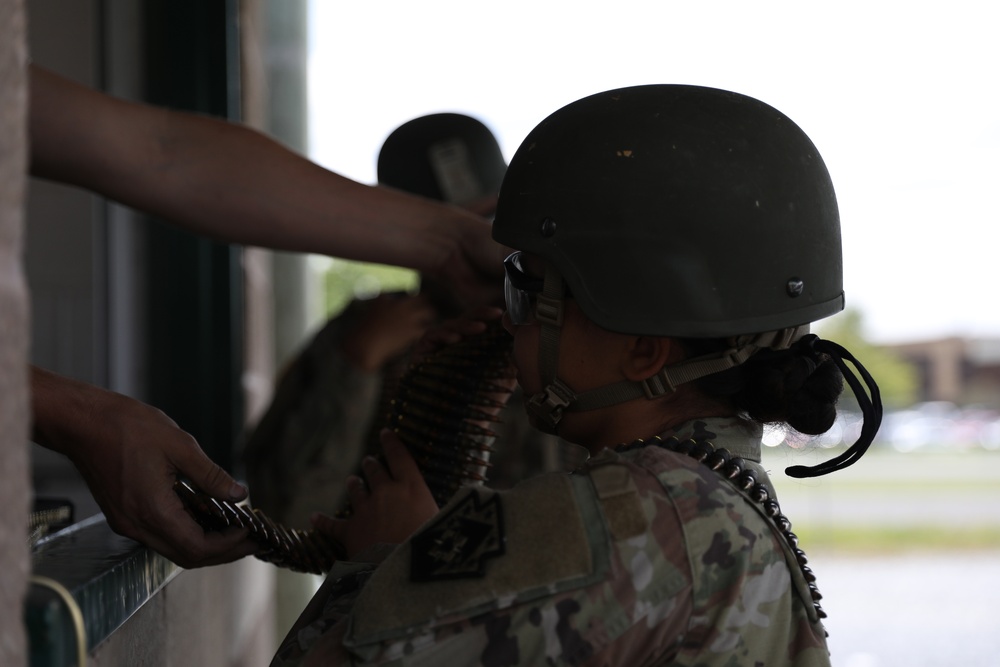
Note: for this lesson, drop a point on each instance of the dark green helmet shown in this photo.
(678, 210)
(445, 156)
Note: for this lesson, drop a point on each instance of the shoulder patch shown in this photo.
(458, 544)
(562, 548)
(619, 498)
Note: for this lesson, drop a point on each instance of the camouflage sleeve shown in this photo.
(579, 583)
(750, 605)
(312, 435)
(624, 565)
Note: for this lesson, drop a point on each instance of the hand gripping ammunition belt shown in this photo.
(444, 407)
(299, 550)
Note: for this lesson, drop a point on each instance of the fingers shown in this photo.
(388, 308)
(487, 313)
(484, 206)
(205, 474)
(401, 464)
(453, 331)
(479, 246)
(420, 307)
(227, 546)
(324, 522)
(202, 548)
(168, 529)
(374, 473)
(357, 490)
(335, 529)
(130, 457)
(399, 468)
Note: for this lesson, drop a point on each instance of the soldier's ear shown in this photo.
(644, 356)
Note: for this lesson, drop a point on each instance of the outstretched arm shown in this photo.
(130, 455)
(229, 182)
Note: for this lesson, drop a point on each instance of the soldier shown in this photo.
(672, 245)
(332, 400)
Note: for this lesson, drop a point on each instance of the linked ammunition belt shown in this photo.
(446, 405)
(443, 411)
(299, 550)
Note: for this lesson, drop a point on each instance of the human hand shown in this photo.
(387, 508)
(484, 206)
(388, 326)
(473, 271)
(130, 454)
(454, 330)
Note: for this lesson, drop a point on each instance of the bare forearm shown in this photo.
(79, 419)
(231, 183)
(62, 409)
(228, 181)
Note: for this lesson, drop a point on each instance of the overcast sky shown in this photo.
(901, 98)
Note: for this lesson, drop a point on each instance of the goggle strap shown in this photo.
(549, 313)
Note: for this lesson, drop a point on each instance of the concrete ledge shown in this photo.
(108, 577)
(137, 607)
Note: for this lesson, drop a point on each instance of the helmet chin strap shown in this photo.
(549, 405)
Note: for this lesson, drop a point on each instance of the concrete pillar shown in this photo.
(14, 491)
(296, 302)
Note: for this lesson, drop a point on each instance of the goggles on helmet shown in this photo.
(520, 290)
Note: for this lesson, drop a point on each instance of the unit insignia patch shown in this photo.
(458, 544)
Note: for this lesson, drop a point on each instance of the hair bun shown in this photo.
(812, 405)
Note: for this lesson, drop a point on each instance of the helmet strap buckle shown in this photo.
(550, 404)
(550, 305)
(657, 385)
(549, 310)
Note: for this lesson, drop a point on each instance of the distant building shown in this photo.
(963, 371)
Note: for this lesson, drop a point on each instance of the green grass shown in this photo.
(971, 486)
(890, 502)
(891, 539)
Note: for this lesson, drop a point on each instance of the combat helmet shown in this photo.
(679, 211)
(673, 210)
(450, 157)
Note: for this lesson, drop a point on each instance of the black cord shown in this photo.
(871, 408)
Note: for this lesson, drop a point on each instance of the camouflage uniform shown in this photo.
(313, 433)
(326, 415)
(642, 557)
